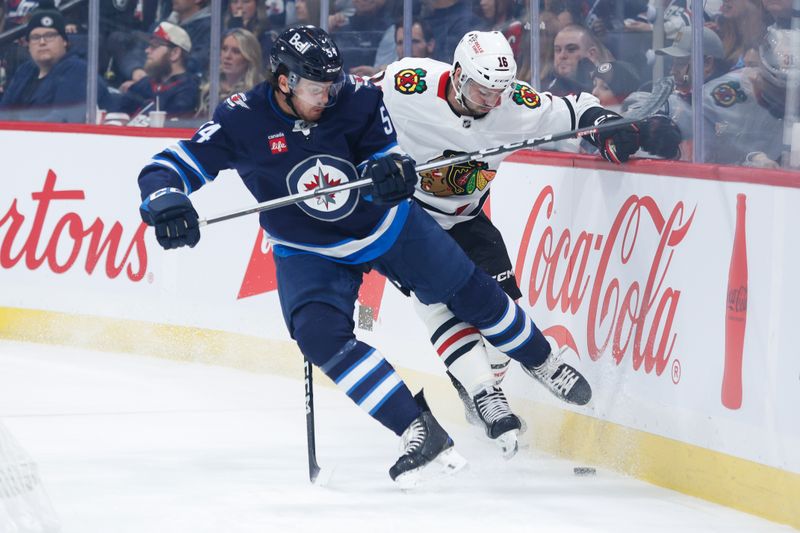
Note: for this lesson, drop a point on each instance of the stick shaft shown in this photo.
(455, 160)
(313, 467)
(661, 91)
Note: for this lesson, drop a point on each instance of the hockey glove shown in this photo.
(393, 178)
(174, 217)
(616, 145)
(661, 136)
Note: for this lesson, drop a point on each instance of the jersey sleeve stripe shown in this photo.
(572, 116)
(190, 161)
(392, 148)
(163, 162)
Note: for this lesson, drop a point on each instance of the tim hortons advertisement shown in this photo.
(72, 240)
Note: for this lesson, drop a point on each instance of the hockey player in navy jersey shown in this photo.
(308, 127)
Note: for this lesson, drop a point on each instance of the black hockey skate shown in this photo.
(500, 423)
(424, 444)
(561, 379)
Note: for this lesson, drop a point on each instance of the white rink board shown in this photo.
(199, 287)
(684, 401)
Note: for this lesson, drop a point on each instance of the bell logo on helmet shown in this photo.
(296, 40)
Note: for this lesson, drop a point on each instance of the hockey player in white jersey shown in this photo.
(440, 110)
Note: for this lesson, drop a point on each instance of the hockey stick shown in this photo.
(661, 91)
(313, 467)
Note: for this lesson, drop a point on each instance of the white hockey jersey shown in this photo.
(736, 122)
(414, 91)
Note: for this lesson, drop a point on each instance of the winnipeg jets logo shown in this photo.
(318, 173)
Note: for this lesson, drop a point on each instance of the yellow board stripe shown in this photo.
(751, 487)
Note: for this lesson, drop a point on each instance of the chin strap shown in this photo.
(457, 89)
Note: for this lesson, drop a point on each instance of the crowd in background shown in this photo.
(154, 56)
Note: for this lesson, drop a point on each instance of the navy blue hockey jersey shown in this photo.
(277, 155)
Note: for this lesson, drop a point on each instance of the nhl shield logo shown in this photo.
(320, 172)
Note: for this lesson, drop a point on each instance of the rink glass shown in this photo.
(365, 32)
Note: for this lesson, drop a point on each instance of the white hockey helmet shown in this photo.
(487, 72)
(778, 57)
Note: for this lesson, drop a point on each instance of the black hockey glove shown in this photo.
(393, 177)
(615, 145)
(661, 136)
(174, 217)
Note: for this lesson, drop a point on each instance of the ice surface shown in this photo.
(134, 444)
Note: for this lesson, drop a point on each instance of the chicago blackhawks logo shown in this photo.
(409, 81)
(462, 179)
(727, 94)
(524, 95)
(320, 172)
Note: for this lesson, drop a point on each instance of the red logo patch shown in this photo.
(277, 143)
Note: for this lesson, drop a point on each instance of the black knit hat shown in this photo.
(47, 16)
(621, 77)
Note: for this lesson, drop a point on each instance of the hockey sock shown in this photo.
(503, 323)
(357, 369)
(369, 380)
(458, 344)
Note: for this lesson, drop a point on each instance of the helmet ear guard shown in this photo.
(485, 58)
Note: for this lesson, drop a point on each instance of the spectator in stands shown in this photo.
(194, 16)
(251, 15)
(422, 45)
(51, 87)
(422, 42)
(575, 54)
(449, 20)
(613, 82)
(780, 11)
(740, 25)
(679, 106)
(167, 85)
(359, 38)
(240, 67)
(744, 109)
(496, 14)
(714, 64)
(306, 12)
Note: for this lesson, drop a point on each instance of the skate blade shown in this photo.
(508, 443)
(446, 463)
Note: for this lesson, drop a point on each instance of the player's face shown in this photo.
(479, 99)
(312, 97)
(46, 46)
(232, 63)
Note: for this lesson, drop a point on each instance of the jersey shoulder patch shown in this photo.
(729, 93)
(411, 80)
(524, 95)
(237, 100)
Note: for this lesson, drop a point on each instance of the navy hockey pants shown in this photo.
(318, 301)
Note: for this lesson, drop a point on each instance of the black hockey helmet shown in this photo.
(308, 52)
